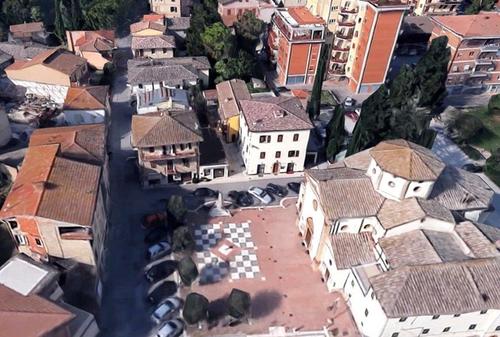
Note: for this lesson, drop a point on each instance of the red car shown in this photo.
(154, 220)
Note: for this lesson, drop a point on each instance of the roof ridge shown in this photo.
(48, 174)
(158, 119)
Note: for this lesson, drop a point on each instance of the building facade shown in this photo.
(232, 10)
(158, 46)
(362, 36)
(273, 135)
(229, 94)
(436, 7)
(94, 46)
(380, 227)
(167, 145)
(295, 41)
(49, 74)
(474, 42)
(86, 105)
(171, 8)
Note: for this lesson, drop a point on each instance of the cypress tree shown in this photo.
(335, 133)
(314, 101)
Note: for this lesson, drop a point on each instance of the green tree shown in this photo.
(176, 208)
(218, 40)
(248, 30)
(313, 105)
(492, 168)
(403, 108)
(16, 11)
(104, 14)
(5, 184)
(235, 67)
(195, 308)
(188, 272)
(238, 303)
(36, 14)
(464, 127)
(335, 133)
(182, 240)
(60, 30)
(480, 5)
(494, 105)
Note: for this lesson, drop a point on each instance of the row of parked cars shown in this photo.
(161, 293)
(247, 198)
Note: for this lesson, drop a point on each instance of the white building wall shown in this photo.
(426, 223)
(76, 117)
(251, 149)
(57, 93)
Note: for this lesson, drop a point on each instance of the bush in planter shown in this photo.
(176, 208)
(182, 239)
(238, 303)
(188, 272)
(195, 308)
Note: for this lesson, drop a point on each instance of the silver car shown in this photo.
(260, 194)
(165, 309)
(172, 328)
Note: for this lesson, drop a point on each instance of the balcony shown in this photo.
(490, 48)
(344, 35)
(338, 60)
(347, 11)
(339, 47)
(479, 74)
(337, 71)
(346, 23)
(150, 156)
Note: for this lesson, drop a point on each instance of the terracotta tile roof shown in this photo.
(153, 42)
(21, 51)
(359, 161)
(275, 114)
(79, 142)
(29, 316)
(479, 25)
(439, 289)
(143, 25)
(86, 98)
(53, 187)
(346, 193)
(229, 94)
(457, 189)
(165, 128)
(94, 40)
(304, 17)
(57, 59)
(180, 23)
(395, 213)
(407, 249)
(353, 249)
(153, 17)
(30, 27)
(480, 245)
(407, 160)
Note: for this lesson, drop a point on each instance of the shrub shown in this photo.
(195, 308)
(464, 127)
(182, 239)
(492, 168)
(176, 208)
(238, 303)
(494, 105)
(188, 272)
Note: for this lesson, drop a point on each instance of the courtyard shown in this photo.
(259, 251)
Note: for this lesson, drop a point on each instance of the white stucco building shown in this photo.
(381, 226)
(273, 135)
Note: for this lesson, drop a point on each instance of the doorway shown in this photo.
(260, 169)
(276, 168)
(289, 168)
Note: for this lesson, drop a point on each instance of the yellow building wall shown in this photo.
(147, 32)
(39, 73)
(233, 128)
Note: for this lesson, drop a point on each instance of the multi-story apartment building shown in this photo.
(295, 41)
(474, 42)
(362, 36)
(167, 145)
(381, 227)
(171, 8)
(232, 10)
(273, 135)
(435, 7)
(57, 207)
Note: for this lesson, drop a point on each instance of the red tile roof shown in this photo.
(94, 40)
(29, 316)
(480, 25)
(142, 25)
(30, 27)
(86, 98)
(304, 17)
(57, 59)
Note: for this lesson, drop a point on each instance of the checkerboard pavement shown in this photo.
(212, 268)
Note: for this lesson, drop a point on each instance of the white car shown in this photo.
(172, 328)
(260, 194)
(349, 101)
(165, 308)
(158, 249)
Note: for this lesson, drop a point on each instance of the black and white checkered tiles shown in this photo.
(212, 268)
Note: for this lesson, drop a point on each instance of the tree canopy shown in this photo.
(182, 239)
(176, 208)
(248, 30)
(188, 272)
(195, 308)
(18, 11)
(313, 105)
(477, 6)
(238, 303)
(335, 133)
(217, 39)
(403, 108)
(492, 168)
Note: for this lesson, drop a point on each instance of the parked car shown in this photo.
(349, 102)
(160, 270)
(472, 168)
(260, 194)
(233, 194)
(165, 309)
(204, 192)
(278, 190)
(294, 187)
(172, 328)
(162, 291)
(154, 220)
(159, 249)
(244, 199)
(156, 235)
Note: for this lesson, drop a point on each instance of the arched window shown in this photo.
(315, 204)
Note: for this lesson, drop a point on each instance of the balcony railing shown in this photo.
(337, 71)
(344, 36)
(340, 48)
(346, 10)
(346, 23)
(490, 48)
(479, 74)
(338, 60)
(148, 156)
